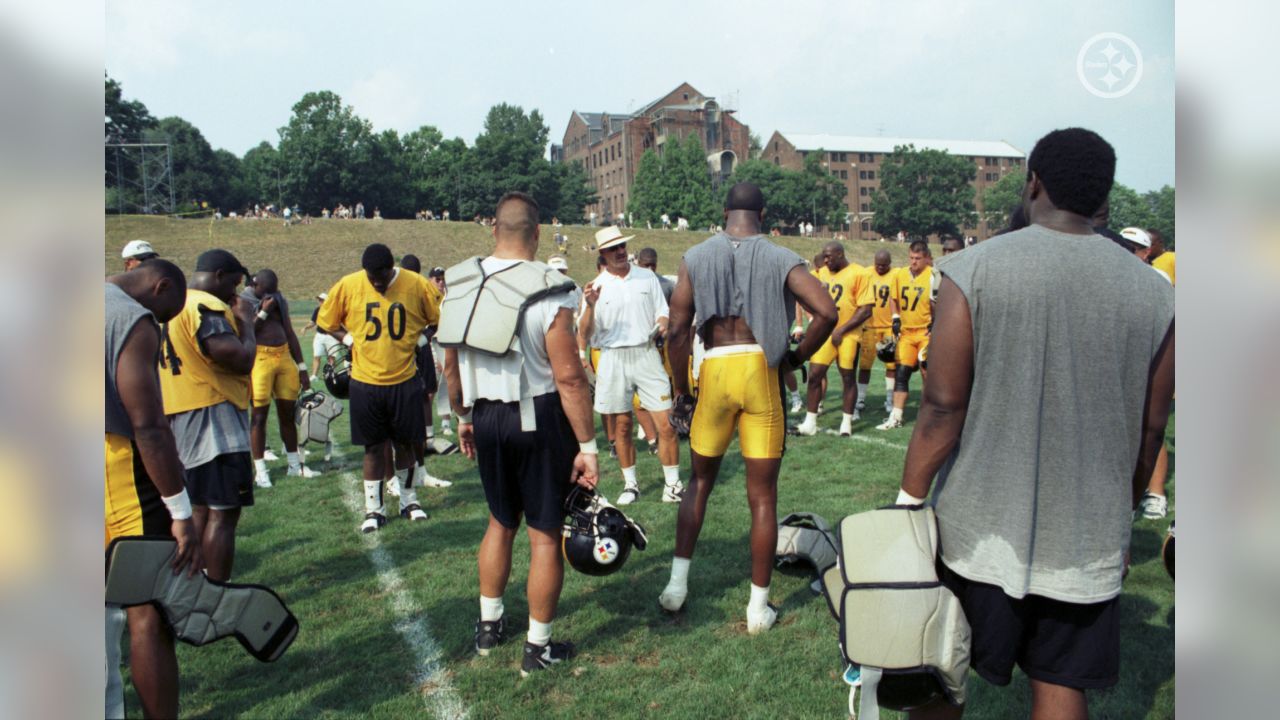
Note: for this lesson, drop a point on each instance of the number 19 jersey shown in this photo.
(385, 327)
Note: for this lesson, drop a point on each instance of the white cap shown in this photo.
(1136, 235)
(555, 262)
(322, 296)
(136, 248)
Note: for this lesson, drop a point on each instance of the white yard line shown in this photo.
(411, 622)
(871, 439)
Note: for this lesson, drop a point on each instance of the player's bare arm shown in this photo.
(1155, 415)
(575, 394)
(680, 331)
(818, 303)
(139, 391)
(945, 400)
(231, 352)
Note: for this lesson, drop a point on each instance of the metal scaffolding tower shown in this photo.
(143, 177)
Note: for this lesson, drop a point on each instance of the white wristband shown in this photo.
(588, 447)
(262, 314)
(905, 498)
(179, 505)
(896, 316)
(464, 419)
(302, 367)
(348, 340)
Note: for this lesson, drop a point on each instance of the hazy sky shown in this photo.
(952, 70)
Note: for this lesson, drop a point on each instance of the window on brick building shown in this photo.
(866, 207)
(863, 191)
(844, 174)
(866, 226)
(862, 174)
(871, 174)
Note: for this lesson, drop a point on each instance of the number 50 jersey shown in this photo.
(385, 328)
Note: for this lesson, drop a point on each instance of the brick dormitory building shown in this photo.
(855, 161)
(609, 145)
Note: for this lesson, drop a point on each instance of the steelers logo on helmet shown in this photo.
(597, 537)
(607, 550)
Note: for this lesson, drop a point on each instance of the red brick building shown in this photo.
(856, 162)
(609, 145)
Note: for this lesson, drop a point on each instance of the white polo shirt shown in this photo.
(627, 309)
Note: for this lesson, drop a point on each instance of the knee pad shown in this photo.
(902, 378)
(199, 610)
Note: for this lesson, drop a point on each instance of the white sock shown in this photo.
(679, 581)
(431, 432)
(373, 497)
(810, 418)
(795, 396)
(759, 599)
(888, 386)
(408, 496)
(445, 424)
(847, 419)
(896, 414)
(539, 632)
(260, 465)
(294, 460)
(419, 475)
(671, 474)
(490, 609)
(639, 432)
(862, 391)
(629, 477)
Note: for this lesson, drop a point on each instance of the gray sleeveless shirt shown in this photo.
(122, 314)
(747, 281)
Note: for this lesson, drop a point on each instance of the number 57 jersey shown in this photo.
(385, 327)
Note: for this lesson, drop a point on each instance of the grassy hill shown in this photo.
(309, 258)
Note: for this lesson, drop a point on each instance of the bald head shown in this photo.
(883, 262)
(265, 282)
(744, 196)
(157, 285)
(516, 218)
(834, 253)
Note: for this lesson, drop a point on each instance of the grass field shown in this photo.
(381, 614)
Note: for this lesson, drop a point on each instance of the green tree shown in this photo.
(794, 196)
(321, 152)
(922, 192)
(126, 119)
(755, 146)
(196, 172)
(510, 155)
(649, 193)
(261, 176)
(1161, 203)
(1128, 208)
(688, 180)
(825, 194)
(231, 190)
(575, 192)
(1000, 200)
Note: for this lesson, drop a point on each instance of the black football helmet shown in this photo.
(887, 349)
(337, 371)
(597, 537)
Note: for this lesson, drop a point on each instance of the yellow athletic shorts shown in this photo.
(738, 388)
(132, 502)
(595, 360)
(275, 375)
(870, 337)
(910, 343)
(847, 354)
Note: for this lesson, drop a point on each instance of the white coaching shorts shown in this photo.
(321, 344)
(624, 372)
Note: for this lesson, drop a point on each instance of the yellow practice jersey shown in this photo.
(913, 294)
(850, 289)
(189, 379)
(1167, 263)
(882, 289)
(385, 328)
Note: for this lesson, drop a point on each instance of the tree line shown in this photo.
(327, 154)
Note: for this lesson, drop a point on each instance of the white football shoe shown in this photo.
(797, 406)
(807, 429)
(890, 424)
(672, 493)
(262, 480)
(628, 496)
(429, 480)
(759, 622)
(672, 600)
(269, 456)
(302, 471)
(373, 522)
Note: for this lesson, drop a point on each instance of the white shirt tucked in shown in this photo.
(627, 309)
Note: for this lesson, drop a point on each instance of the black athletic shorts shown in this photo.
(224, 482)
(1069, 644)
(387, 412)
(427, 370)
(525, 472)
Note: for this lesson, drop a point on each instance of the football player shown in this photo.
(878, 328)
(912, 304)
(850, 288)
(278, 372)
(379, 312)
